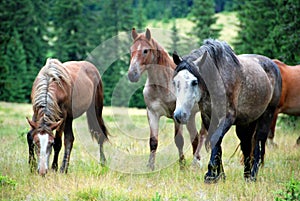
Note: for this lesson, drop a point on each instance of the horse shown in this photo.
(241, 90)
(148, 55)
(60, 93)
(290, 98)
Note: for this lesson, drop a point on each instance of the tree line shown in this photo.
(31, 31)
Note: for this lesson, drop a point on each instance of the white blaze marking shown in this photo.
(43, 148)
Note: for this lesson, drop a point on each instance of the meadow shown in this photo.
(126, 176)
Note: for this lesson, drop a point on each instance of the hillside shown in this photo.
(227, 21)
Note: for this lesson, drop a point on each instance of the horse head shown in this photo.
(186, 85)
(142, 53)
(43, 140)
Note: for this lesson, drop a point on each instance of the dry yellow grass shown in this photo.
(87, 180)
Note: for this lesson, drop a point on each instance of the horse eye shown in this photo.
(194, 82)
(145, 51)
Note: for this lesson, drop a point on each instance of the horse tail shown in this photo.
(95, 120)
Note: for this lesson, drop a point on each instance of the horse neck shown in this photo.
(162, 68)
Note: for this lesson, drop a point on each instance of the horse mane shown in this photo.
(43, 98)
(162, 55)
(219, 55)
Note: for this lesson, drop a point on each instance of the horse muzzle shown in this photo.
(42, 171)
(180, 117)
(42, 167)
(133, 76)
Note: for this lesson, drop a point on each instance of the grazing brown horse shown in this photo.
(148, 55)
(290, 96)
(60, 93)
(241, 90)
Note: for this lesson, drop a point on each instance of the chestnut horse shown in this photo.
(241, 90)
(290, 96)
(148, 55)
(60, 93)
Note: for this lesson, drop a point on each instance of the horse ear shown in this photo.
(148, 34)
(176, 58)
(32, 123)
(134, 34)
(200, 61)
(55, 125)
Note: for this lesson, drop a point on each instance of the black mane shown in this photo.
(220, 55)
(185, 65)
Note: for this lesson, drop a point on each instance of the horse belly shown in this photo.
(81, 98)
(254, 98)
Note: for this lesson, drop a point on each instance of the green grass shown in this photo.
(127, 177)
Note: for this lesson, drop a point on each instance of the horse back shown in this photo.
(85, 79)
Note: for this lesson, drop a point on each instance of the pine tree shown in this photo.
(114, 47)
(30, 22)
(202, 15)
(285, 35)
(174, 37)
(16, 77)
(257, 19)
(139, 16)
(71, 25)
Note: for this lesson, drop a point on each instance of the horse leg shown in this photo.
(57, 147)
(272, 130)
(153, 120)
(179, 141)
(68, 142)
(260, 138)
(31, 160)
(97, 127)
(215, 166)
(245, 134)
(196, 143)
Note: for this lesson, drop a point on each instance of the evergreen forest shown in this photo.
(99, 31)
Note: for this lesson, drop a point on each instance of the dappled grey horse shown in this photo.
(231, 90)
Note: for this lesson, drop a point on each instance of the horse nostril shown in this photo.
(133, 76)
(177, 117)
(42, 172)
(184, 115)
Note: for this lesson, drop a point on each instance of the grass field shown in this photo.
(126, 177)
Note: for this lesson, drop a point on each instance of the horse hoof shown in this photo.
(197, 163)
(252, 179)
(213, 180)
(151, 166)
(54, 167)
(182, 164)
(103, 163)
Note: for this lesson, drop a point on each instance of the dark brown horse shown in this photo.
(60, 93)
(231, 90)
(148, 55)
(290, 96)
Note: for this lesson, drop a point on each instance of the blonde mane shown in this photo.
(44, 97)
